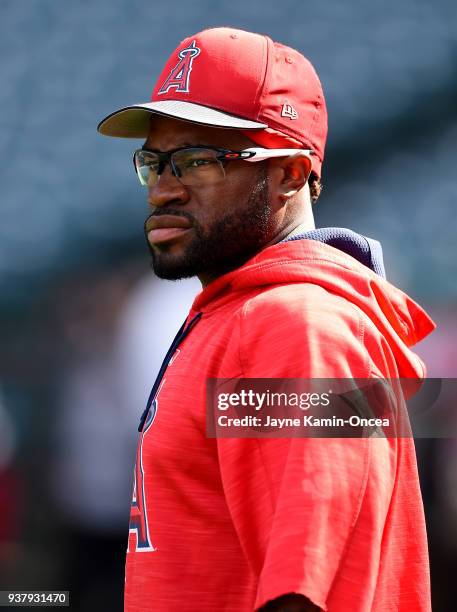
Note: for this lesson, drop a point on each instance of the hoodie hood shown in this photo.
(306, 259)
(366, 250)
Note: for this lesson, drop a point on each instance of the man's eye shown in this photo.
(152, 166)
(196, 163)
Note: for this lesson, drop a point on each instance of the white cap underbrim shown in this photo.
(134, 121)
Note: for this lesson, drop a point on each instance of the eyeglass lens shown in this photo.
(191, 166)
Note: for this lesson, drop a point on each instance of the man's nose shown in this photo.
(167, 190)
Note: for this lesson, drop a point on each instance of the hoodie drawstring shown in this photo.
(182, 333)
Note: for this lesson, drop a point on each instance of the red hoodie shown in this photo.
(228, 524)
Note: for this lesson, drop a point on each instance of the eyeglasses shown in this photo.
(194, 166)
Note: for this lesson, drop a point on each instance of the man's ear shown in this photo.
(295, 173)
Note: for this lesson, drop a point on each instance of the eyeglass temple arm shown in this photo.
(261, 154)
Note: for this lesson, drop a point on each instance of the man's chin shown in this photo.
(170, 268)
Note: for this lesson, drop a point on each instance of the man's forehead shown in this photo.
(167, 133)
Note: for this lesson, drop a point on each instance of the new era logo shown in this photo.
(289, 111)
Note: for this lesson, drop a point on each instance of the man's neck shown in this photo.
(301, 229)
(304, 226)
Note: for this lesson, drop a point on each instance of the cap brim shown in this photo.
(134, 121)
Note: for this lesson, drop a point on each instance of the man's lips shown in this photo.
(166, 227)
(167, 221)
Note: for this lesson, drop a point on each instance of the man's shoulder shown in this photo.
(301, 302)
(302, 330)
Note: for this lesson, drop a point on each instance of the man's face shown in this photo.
(222, 224)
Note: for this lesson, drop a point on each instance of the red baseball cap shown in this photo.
(230, 78)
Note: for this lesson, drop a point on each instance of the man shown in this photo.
(234, 143)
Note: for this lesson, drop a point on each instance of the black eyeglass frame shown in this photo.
(165, 158)
(254, 154)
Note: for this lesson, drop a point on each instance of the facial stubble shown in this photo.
(226, 244)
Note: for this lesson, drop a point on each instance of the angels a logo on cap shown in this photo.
(179, 75)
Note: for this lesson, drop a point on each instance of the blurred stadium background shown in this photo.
(84, 324)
